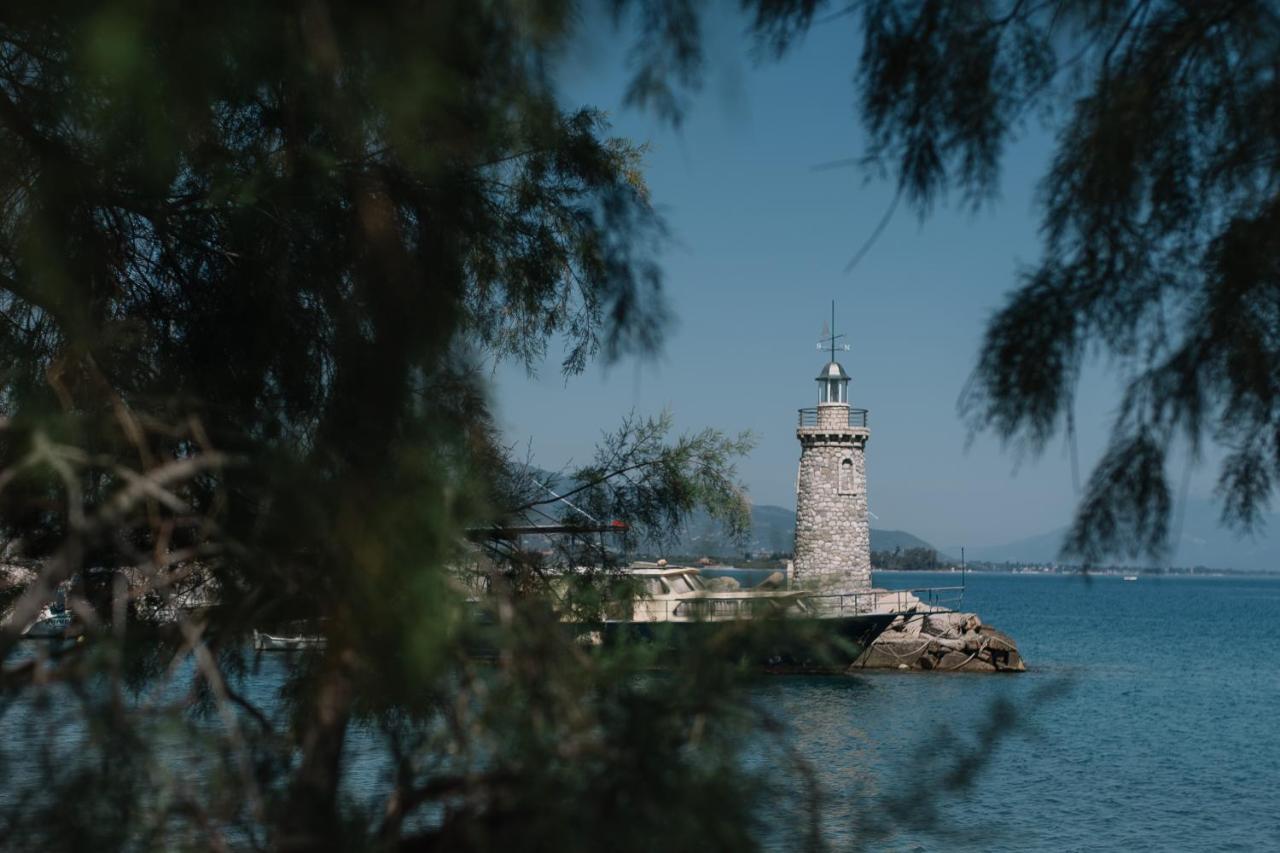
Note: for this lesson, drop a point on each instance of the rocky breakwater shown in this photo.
(926, 638)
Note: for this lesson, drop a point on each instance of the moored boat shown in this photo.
(778, 630)
(264, 642)
(49, 625)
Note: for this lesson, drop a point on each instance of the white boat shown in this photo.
(48, 625)
(264, 642)
(681, 594)
(1131, 577)
(791, 630)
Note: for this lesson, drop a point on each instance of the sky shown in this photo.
(760, 242)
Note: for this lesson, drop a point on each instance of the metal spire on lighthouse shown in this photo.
(829, 337)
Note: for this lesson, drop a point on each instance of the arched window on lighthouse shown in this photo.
(846, 476)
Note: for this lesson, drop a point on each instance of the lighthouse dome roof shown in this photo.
(833, 370)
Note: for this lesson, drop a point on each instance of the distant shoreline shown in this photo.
(1141, 575)
(1217, 573)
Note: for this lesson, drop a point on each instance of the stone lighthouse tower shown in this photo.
(833, 538)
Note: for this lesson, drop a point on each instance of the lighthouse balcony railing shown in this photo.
(733, 606)
(932, 599)
(809, 418)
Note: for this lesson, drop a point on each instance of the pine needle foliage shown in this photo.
(256, 260)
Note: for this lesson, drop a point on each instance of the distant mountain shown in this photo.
(1202, 541)
(773, 530)
(1042, 548)
(887, 540)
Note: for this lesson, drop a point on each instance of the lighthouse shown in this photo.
(833, 537)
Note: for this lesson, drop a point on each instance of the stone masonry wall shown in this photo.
(833, 536)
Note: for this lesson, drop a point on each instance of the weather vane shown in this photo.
(829, 337)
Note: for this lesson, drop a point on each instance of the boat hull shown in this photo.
(54, 627)
(783, 645)
(272, 643)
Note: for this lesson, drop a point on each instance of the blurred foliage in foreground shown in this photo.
(253, 254)
(253, 258)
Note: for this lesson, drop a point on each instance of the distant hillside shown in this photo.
(773, 530)
(1042, 548)
(887, 540)
(1202, 542)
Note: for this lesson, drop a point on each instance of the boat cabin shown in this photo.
(661, 581)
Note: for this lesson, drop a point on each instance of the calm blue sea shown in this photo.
(1150, 720)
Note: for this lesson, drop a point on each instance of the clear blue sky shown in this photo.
(760, 241)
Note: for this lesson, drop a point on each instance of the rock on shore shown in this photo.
(942, 641)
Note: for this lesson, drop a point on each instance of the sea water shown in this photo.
(1149, 719)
